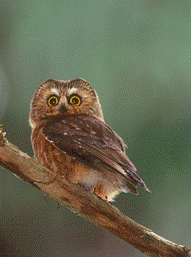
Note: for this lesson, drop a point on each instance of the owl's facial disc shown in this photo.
(56, 98)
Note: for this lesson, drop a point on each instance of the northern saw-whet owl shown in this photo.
(70, 137)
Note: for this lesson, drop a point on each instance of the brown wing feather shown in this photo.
(94, 143)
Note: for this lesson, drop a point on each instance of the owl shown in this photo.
(70, 137)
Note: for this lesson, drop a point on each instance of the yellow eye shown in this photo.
(75, 100)
(52, 100)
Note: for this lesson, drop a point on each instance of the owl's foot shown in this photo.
(94, 189)
(98, 190)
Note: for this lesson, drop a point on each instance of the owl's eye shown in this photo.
(75, 100)
(52, 100)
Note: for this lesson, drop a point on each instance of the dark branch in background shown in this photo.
(86, 204)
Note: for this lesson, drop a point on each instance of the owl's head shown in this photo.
(56, 99)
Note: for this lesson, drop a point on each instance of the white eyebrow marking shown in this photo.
(54, 91)
(72, 90)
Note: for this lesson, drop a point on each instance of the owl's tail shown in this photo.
(133, 180)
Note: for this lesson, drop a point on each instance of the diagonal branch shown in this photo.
(87, 204)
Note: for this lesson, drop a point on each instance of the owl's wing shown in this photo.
(95, 144)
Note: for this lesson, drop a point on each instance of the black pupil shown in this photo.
(53, 101)
(75, 100)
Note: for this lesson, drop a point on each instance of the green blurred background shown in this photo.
(136, 54)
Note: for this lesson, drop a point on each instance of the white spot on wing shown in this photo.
(50, 140)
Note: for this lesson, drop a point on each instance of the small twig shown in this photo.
(87, 204)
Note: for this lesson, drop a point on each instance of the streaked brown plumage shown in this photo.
(70, 137)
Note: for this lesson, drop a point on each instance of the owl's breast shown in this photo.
(62, 163)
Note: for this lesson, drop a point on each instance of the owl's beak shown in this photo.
(63, 108)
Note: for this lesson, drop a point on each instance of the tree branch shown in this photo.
(86, 204)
